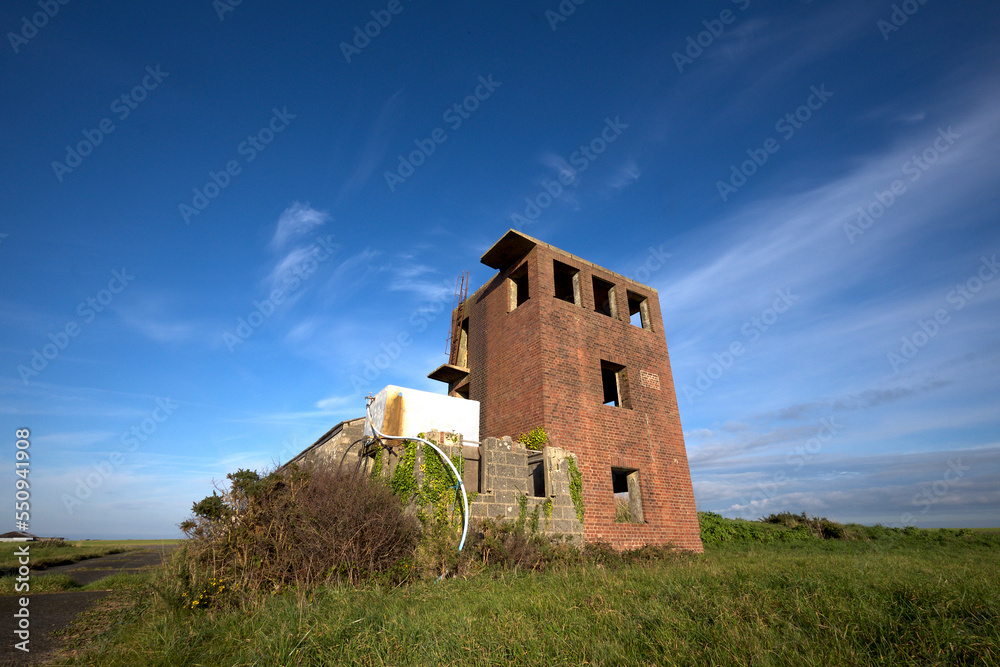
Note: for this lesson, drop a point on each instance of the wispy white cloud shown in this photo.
(376, 147)
(415, 278)
(295, 221)
(623, 176)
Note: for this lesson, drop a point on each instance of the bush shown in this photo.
(536, 439)
(299, 530)
(716, 529)
(506, 545)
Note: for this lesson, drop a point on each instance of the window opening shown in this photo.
(518, 284)
(604, 298)
(567, 282)
(628, 499)
(536, 474)
(638, 310)
(614, 381)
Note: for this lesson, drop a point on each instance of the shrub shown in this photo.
(506, 545)
(535, 439)
(268, 533)
(50, 543)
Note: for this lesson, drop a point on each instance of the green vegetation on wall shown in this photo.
(576, 488)
(403, 482)
(536, 439)
(439, 486)
(379, 462)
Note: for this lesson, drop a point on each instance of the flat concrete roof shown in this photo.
(511, 247)
(514, 245)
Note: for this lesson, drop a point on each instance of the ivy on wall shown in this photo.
(379, 462)
(437, 488)
(404, 482)
(576, 488)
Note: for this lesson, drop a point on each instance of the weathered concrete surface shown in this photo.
(49, 612)
(94, 569)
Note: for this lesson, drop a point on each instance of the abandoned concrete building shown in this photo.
(554, 345)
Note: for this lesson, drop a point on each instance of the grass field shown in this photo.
(123, 543)
(926, 598)
(47, 556)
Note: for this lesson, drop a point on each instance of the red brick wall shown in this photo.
(540, 365)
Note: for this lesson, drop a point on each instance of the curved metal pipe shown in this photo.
(444, 457)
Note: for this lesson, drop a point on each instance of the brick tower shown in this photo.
(555, 341)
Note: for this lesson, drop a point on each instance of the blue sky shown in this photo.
(218, 222)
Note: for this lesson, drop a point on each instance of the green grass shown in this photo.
(922, 598)
(57, 583)
(47, 556)
(124, 543)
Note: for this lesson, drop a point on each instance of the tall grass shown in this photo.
(921, 598)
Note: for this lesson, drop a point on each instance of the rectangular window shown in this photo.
(604, 298)
(615, 384)
(638, 310)
(517, 282)
(628, 499)
(567, 282)
(471, 467)
(536, 475)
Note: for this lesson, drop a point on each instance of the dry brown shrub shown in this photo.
(300, 530)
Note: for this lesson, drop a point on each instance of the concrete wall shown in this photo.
(503, 478)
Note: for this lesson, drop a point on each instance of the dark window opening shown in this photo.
(567, 282)
(638, 310)
(614, 380)
(471, 468)
(536, 476)
(518, 282)
(628, 499)
(604, 298)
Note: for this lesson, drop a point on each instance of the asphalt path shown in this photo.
(49, 612)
